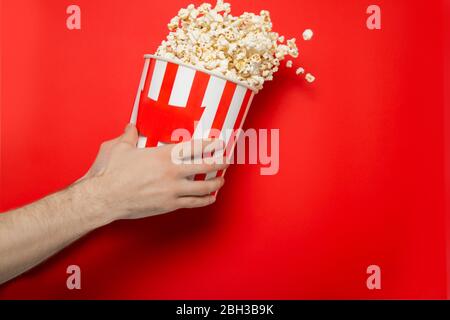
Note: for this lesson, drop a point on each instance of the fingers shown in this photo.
(201, 188)
(130, 136)
(205, 167)
(196, 148)
(195, 202)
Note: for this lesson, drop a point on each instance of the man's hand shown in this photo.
(135, 183)
(123, 183)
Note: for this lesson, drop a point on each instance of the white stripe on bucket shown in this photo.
(211, 100)
(157, 79)
(182, 87)
(247, 107)
(142, 141)
(230, 120)
(233, 112)
(134, 114)
(144, 74)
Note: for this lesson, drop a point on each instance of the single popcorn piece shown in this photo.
(307, 34)
(310, 78)
(300, 71)
(243, 48)
(291, 43)
(183, 14)
(174, 23)
(289, 64)
(222, 6)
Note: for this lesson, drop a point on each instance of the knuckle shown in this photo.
(179, 189)
(105, 144)
(208, 167)
(175, 170)
(122, 144)
(116, 146)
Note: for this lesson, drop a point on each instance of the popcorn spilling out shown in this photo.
(307, 34)
(310, 78)
(241, 48)
(300, 71)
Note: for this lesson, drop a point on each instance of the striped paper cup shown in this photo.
(174, 95)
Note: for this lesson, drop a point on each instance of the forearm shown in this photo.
(31, 234)
(123, 183)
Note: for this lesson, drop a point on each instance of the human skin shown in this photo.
(123, 183)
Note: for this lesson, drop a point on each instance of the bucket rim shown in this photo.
(216, 74)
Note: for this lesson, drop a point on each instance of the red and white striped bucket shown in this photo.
(174, 95)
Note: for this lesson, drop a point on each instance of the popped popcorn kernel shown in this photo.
(289, 64)
(183, 14)
(310, 78)
(307, 34)
(299, 71)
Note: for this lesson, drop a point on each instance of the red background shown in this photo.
(362, 161)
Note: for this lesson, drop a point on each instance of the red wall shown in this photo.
(361, 176)
(447, 131)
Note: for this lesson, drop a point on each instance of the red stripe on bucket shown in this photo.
(224, 105)
(223, 108)
(195, 100)
(143, 109)
(198, 90)
(153, 117)
(167, 84)
(237, 125)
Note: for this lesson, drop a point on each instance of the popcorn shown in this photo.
(204, 8)
(183, 14)
(291, 43)
(299, 71)
(310, 78)
(294, 53)
(255, 58)
(221, 6)
(307, 34)
(174, 23)
(242, 48)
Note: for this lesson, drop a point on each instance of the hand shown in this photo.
(134, 183)
(123, 183)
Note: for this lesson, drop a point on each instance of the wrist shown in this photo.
(90, 203)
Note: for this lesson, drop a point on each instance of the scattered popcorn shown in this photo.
(289, 64)
(300, 71)
(310, 78)
(243, 48)
(307, 34)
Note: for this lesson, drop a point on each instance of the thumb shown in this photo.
(130, 135)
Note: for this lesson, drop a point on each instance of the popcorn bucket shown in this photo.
(173, 95)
